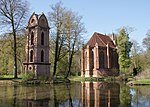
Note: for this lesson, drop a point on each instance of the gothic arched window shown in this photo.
(85, 60)
(42, 38)
(42, 56)
(31, 56)
(92, 62)
(32, 38)
(111, 58)
(101, 59)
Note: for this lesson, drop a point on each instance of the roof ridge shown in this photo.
(100, 38)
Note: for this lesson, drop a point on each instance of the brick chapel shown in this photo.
(37, 46)
(99, 56)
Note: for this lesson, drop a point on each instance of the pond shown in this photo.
(85, 94)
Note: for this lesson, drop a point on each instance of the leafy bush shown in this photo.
(27, 76)
(144, 74)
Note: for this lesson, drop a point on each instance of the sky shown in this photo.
(105, 16)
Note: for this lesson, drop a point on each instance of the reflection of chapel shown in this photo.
(100, 94)
(99, 56)
(37, 46)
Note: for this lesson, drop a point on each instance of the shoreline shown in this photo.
(139, 82)
(57, 80)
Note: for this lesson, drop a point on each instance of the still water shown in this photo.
(86, 94)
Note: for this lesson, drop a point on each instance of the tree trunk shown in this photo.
(70, 63)
(14, 49)
(56, 55)
(69, 96)
(70, 59)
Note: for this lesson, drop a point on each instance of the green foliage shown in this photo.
(6, 77)
(27, 76)
(142, 82)
(145, 74)
(140, 62)
(6, 54)
(67, 30)
(125, 97)
(124, 48)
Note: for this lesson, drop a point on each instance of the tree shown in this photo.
(6, 53)
(56, 18)
(13, 14)
(146, 40)
(75, 29)
(66, 28)
(124, 48)
(135, 57)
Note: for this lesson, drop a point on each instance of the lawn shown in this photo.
(140, 82)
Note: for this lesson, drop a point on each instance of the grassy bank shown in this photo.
(8, 79)
(142, 78)
(79, 78)
(140, 82)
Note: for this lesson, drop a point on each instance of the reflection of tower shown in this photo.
(37, 46)
(38, 97)
(100, 94)
(36, 103)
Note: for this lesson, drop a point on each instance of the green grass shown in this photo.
(58, 79)
(79, 78)
(76, 78)
(8, 77)
(140, 82)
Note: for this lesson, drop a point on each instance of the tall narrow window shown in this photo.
(42, 56)
(32, 38)
(111, 59)
(31, 56)
(85, 60)
(42, 38)
(92, 62)
(101, 60)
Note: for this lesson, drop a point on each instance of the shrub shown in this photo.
(144, 74)
(27, 76)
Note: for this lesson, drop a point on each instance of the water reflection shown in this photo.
(39, 96)
(14, 95)
(85, 94)
(36, 103)
(59, 95)
(100, 94)
(125, 96)
(140, 96)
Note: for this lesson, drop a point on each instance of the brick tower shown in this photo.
(37, 46)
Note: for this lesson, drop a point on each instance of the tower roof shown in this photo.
(35, 20)
(100, 40)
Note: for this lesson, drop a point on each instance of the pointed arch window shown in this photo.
(42, 38)
(92, 62)
(85, 60)
(101, 59)
(32, 38)
(42, 56)
(31, 56)
(111, 58)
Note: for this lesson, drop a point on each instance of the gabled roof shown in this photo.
(37, 18)
(101, 40)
